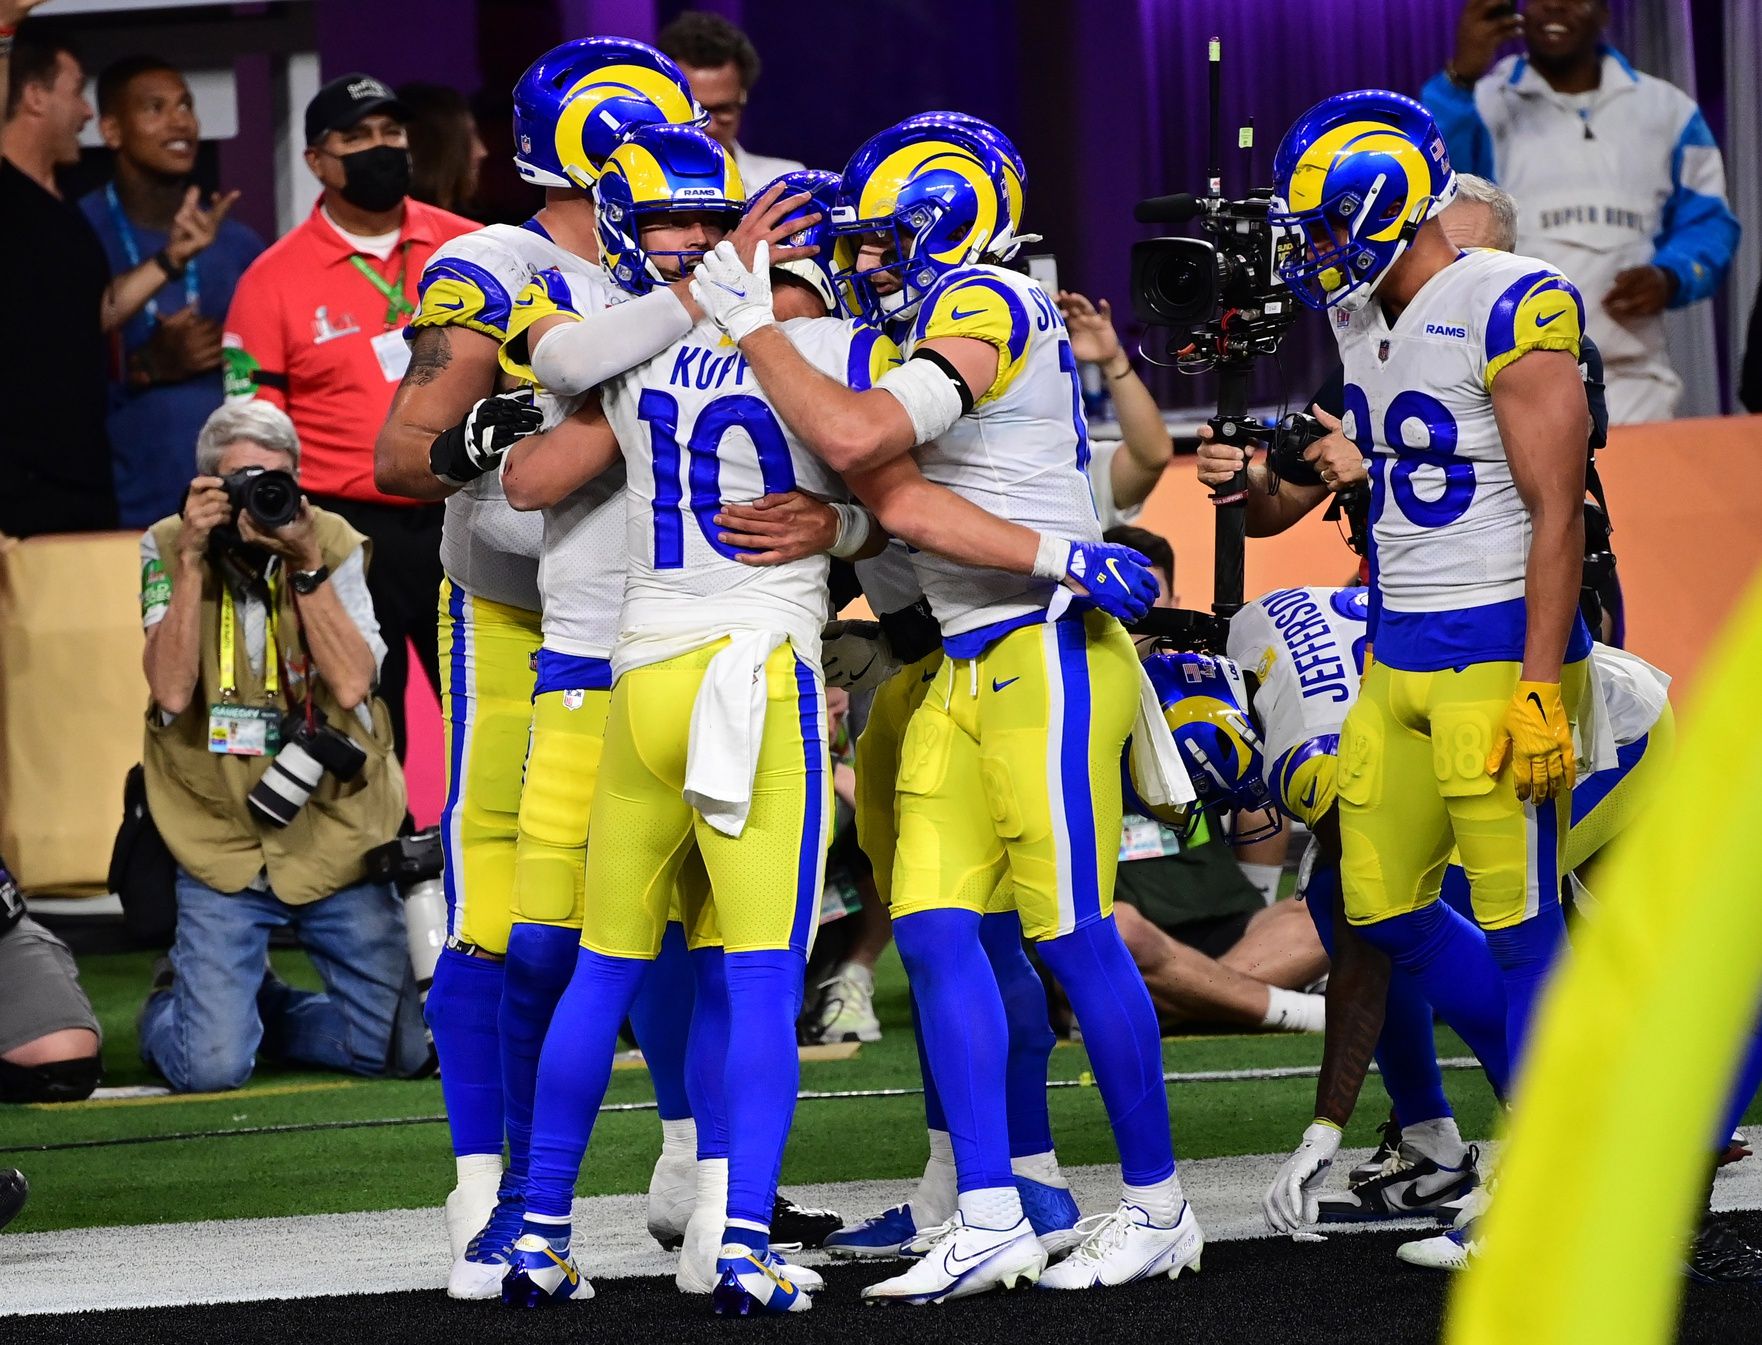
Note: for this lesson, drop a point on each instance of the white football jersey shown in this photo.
(1450, 532)
(697, 432)
(1305, 647)
(1021, 453)
(487, 548)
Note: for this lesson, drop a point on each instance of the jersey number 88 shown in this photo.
(1438, 450)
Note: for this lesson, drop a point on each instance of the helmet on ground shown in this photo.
(938, 196)
(1205, 702)
(822, 189)
(574, 101)
(1353, 180)
(660, 170)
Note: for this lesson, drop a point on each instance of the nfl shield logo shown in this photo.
(1382, 352)
(574, 698)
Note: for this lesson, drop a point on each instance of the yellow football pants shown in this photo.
(486, 654)
(1413, 786)
(1010, 770)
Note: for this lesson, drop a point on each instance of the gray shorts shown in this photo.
(40, 988)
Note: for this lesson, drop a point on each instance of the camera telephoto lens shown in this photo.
(286, 785)
(272, 499)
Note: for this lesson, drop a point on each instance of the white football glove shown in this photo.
(855, 655)
(737, 299)
(1291, 1200)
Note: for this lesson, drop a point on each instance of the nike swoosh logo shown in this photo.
(1008, 681)
(738, 294)
(1537, 702)
(1543, 322)
(772, 1275)
(961, 315)
(568, 1270)
(1309, 796)
(1114, 568)
(452, 307)
(929, 675)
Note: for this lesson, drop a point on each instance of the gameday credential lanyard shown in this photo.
(397, 307)
(245, 730)
(125, 235)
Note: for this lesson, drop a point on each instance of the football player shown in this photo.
(567, 108)
(1463, 388)
(742, 780)
(1029, 711)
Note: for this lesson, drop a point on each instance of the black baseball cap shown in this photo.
(345, 100)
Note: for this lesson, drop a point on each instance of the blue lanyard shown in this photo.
(126, 236)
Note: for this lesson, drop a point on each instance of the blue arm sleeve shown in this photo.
(1699, 233)
(1459, 122)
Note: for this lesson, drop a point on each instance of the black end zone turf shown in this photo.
(1264, 1292)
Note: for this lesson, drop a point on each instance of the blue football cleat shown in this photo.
(877, 1238)
(537, 1277)
(1053, 1213)
(749, 1282)
(478, 1273)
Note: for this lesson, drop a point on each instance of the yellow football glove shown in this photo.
(1536, 737)
(545, 295)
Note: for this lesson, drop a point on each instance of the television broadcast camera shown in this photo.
(1217, 303)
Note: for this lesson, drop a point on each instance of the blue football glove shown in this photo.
(1117, 579)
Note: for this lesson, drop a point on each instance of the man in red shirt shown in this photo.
(316, 327)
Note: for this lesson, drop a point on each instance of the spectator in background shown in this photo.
(722, 66)
(1617, 178)
(308, 646)
(317, 329)
(169, 377)
(1123, 471)
(446, 152)
(55, 455)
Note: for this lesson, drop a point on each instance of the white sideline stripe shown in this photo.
(385, 1251)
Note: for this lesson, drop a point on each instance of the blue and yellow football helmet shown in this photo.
(938, 192)
(572, 103)
(1353, 180)
(1015, 173)
(1304, 778)
(822, 189)
(1205, 701)
(661, 170)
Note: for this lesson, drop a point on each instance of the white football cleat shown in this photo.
(1124, 1245)
(478, 1273)
(1447, 1251)
(672, 1196)
(468, 1207)
(749, 1282)
(959, 1260)
(537, 1277)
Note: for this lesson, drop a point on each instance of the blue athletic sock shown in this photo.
(933, 1117)
(1749, 1079)
(1407, 1054)
(573, 1071)
(966, 1038)
(541, 959)
(1525, 954)
(1030, 1033)
(706, 1053)
(1447, 957)
(762, 1072)
(462, 1006)
(1107, 995)
(661, 1020)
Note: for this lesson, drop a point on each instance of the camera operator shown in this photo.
(269, 773)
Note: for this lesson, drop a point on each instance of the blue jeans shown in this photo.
(204, 1033)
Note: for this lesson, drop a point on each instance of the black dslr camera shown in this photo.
(307, 752)
(270, 496)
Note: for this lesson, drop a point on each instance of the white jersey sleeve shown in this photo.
(487, 548)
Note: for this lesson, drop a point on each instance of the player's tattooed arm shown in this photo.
(451, 369)
(545, 469)
(1358, 985)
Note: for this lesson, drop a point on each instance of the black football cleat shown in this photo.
(796, 1226)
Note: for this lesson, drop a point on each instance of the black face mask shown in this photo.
(376, 179)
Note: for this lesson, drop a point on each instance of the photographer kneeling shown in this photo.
(269, 773)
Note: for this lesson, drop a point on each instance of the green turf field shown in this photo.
(407, 1165)
(394, 1166)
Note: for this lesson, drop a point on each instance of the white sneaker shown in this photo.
(960, 1260)
(1448, 1251)
(845, 1008)
(672, 1197)
(1124, 1245)
(468, 1208)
